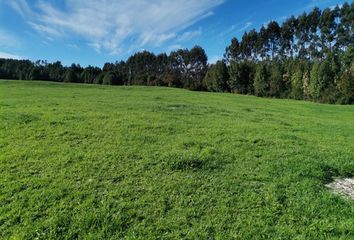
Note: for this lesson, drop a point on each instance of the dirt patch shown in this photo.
(343, 187)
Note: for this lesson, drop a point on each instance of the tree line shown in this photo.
(307, 57)
(182, 68)
(310, 57)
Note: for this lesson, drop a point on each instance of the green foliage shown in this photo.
(241, 77)
(216, 78)
(70, 76)
(112, 78)
(321, 80)
(348, 56)
(108, 78)
(172, 79)
(319, 36)
(89, 74)
(273, 38)
(261, 80)
(105, 162)
(297, 87)
(34, 74)
(99, 78)
(233, 52)
(276, 83)
(345, 86)
(194, 68)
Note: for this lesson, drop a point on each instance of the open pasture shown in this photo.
(99, 162)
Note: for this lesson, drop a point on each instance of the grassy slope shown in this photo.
(80, 161)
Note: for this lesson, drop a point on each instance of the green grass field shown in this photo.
(97, 162)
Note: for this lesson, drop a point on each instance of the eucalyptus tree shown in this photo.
(216, 79)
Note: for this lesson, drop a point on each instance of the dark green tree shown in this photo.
(216, 78)
(70, 76)
(327, 26)
(276, 83)
(112, 78)
(233, 52)
(261, 80)
(287, 38)
(345, 86)
(241, 77)
(314, 40)
(262, 43)
(35, 74)
(273, 34)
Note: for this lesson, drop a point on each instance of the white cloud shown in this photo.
(239, 27)
(8, 40)
(21, 7)
(174, 47)
(73, 46)
(245, 27)
(109, 25)
(231, 29)
(315, 3)
(10, 56)
(186, 36)
(155, 39)
(44, 29)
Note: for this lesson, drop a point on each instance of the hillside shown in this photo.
(101, 162)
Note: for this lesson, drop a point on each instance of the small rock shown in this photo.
(343, 186)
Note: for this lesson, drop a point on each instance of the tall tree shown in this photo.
(276, 83)
(261, 80)
(216, 78)
(345, 86)
(314, 18)
(241, 77)
(197, 61)
(327, 26)
(273, 33)
(262, 43)
(302, 34)
(70, 76)
(287, 39)
(233, 52)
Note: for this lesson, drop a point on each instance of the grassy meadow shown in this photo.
(99, 162)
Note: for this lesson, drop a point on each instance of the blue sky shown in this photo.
(92, 32)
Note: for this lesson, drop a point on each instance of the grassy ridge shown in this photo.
(94, 162)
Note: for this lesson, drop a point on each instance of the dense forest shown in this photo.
(310, 57)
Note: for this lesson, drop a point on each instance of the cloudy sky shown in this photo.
(98, 31)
